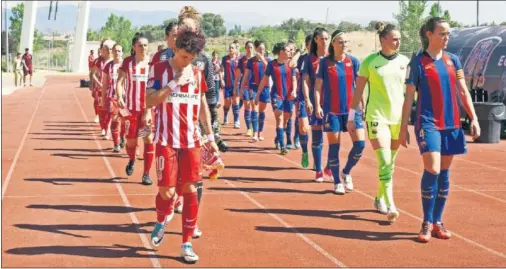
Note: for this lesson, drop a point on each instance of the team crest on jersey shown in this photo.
(151, 83)
(348, 64)
(449, 62)
(200, 65)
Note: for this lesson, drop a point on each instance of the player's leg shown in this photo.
(333, 127)
(236, 108)
(317, 146)
(131, 129)
(149, 154)
(264, 100)
(288, 132)
(429, 143)
(167, 175)
(115, 125)
(358, 138)
(247, 112)
(228, 92)
(254, 115)
(190, 166)
(381, 142)
(303, 130)
(287, 117)
(453, 143)
(277, 108)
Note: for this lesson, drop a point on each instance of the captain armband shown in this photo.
(460, 74)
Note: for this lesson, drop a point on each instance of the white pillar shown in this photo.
(79, 57)
(28, 27)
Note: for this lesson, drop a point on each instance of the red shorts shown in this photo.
(178, 166)
(132, 124)
(111, 106)
(28, 71)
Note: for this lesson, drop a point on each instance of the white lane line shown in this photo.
(21, 145)
(154, 260)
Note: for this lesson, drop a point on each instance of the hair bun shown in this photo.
(380, 26)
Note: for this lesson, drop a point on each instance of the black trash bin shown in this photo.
(490, 117)
(84, 83)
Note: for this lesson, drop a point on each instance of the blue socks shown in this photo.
(297, 133)
(261, 120)
(354, 156)
(317, 145)
(429, 192)
(247, 118)
(254, 121)
(280, 135)
(333, 162)
(225, 113)
(235, 110)
(443, 185)
(303, 142)
(288, 131)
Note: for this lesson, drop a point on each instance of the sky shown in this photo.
(354, 11)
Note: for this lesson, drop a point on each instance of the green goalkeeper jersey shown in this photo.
(385, 87)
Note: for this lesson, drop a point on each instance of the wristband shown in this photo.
(351, 114)
(210, 137)
(172, 84)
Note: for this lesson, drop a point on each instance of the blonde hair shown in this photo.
(189, 12)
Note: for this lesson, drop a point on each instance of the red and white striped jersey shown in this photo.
(135, 86)
(111, 69)
(177, 118)
(99, 64)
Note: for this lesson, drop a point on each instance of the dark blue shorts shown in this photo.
(264, 98)
(246, 96)
(314, 121)
(228, 92)
(284, 105)
(446, 142)
(302, 109)
(337, 123)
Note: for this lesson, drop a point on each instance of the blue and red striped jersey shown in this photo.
(282, 76)
(242, 66)
(229, 65)
(257, 69)
(436, 84)
(300, 62)
(309, 68)
(338, 83)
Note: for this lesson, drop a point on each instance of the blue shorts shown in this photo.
(337, 123)
(314, 121)
(302, 109)
(246, 96)
(446, 142)
(264, 98)
(284, 105)
(228, 92)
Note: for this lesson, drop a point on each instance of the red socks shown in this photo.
(123, 131)
(190, 212)
(163, 207)
(149, 154)
(115, 132)
(131, 152)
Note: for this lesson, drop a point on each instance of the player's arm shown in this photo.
(406, 112)
(120, 87)
(245, 81)
(95, 77)
(358, 96)
(467, 101)
(237, 75)
(105, 79)
(317, 97)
